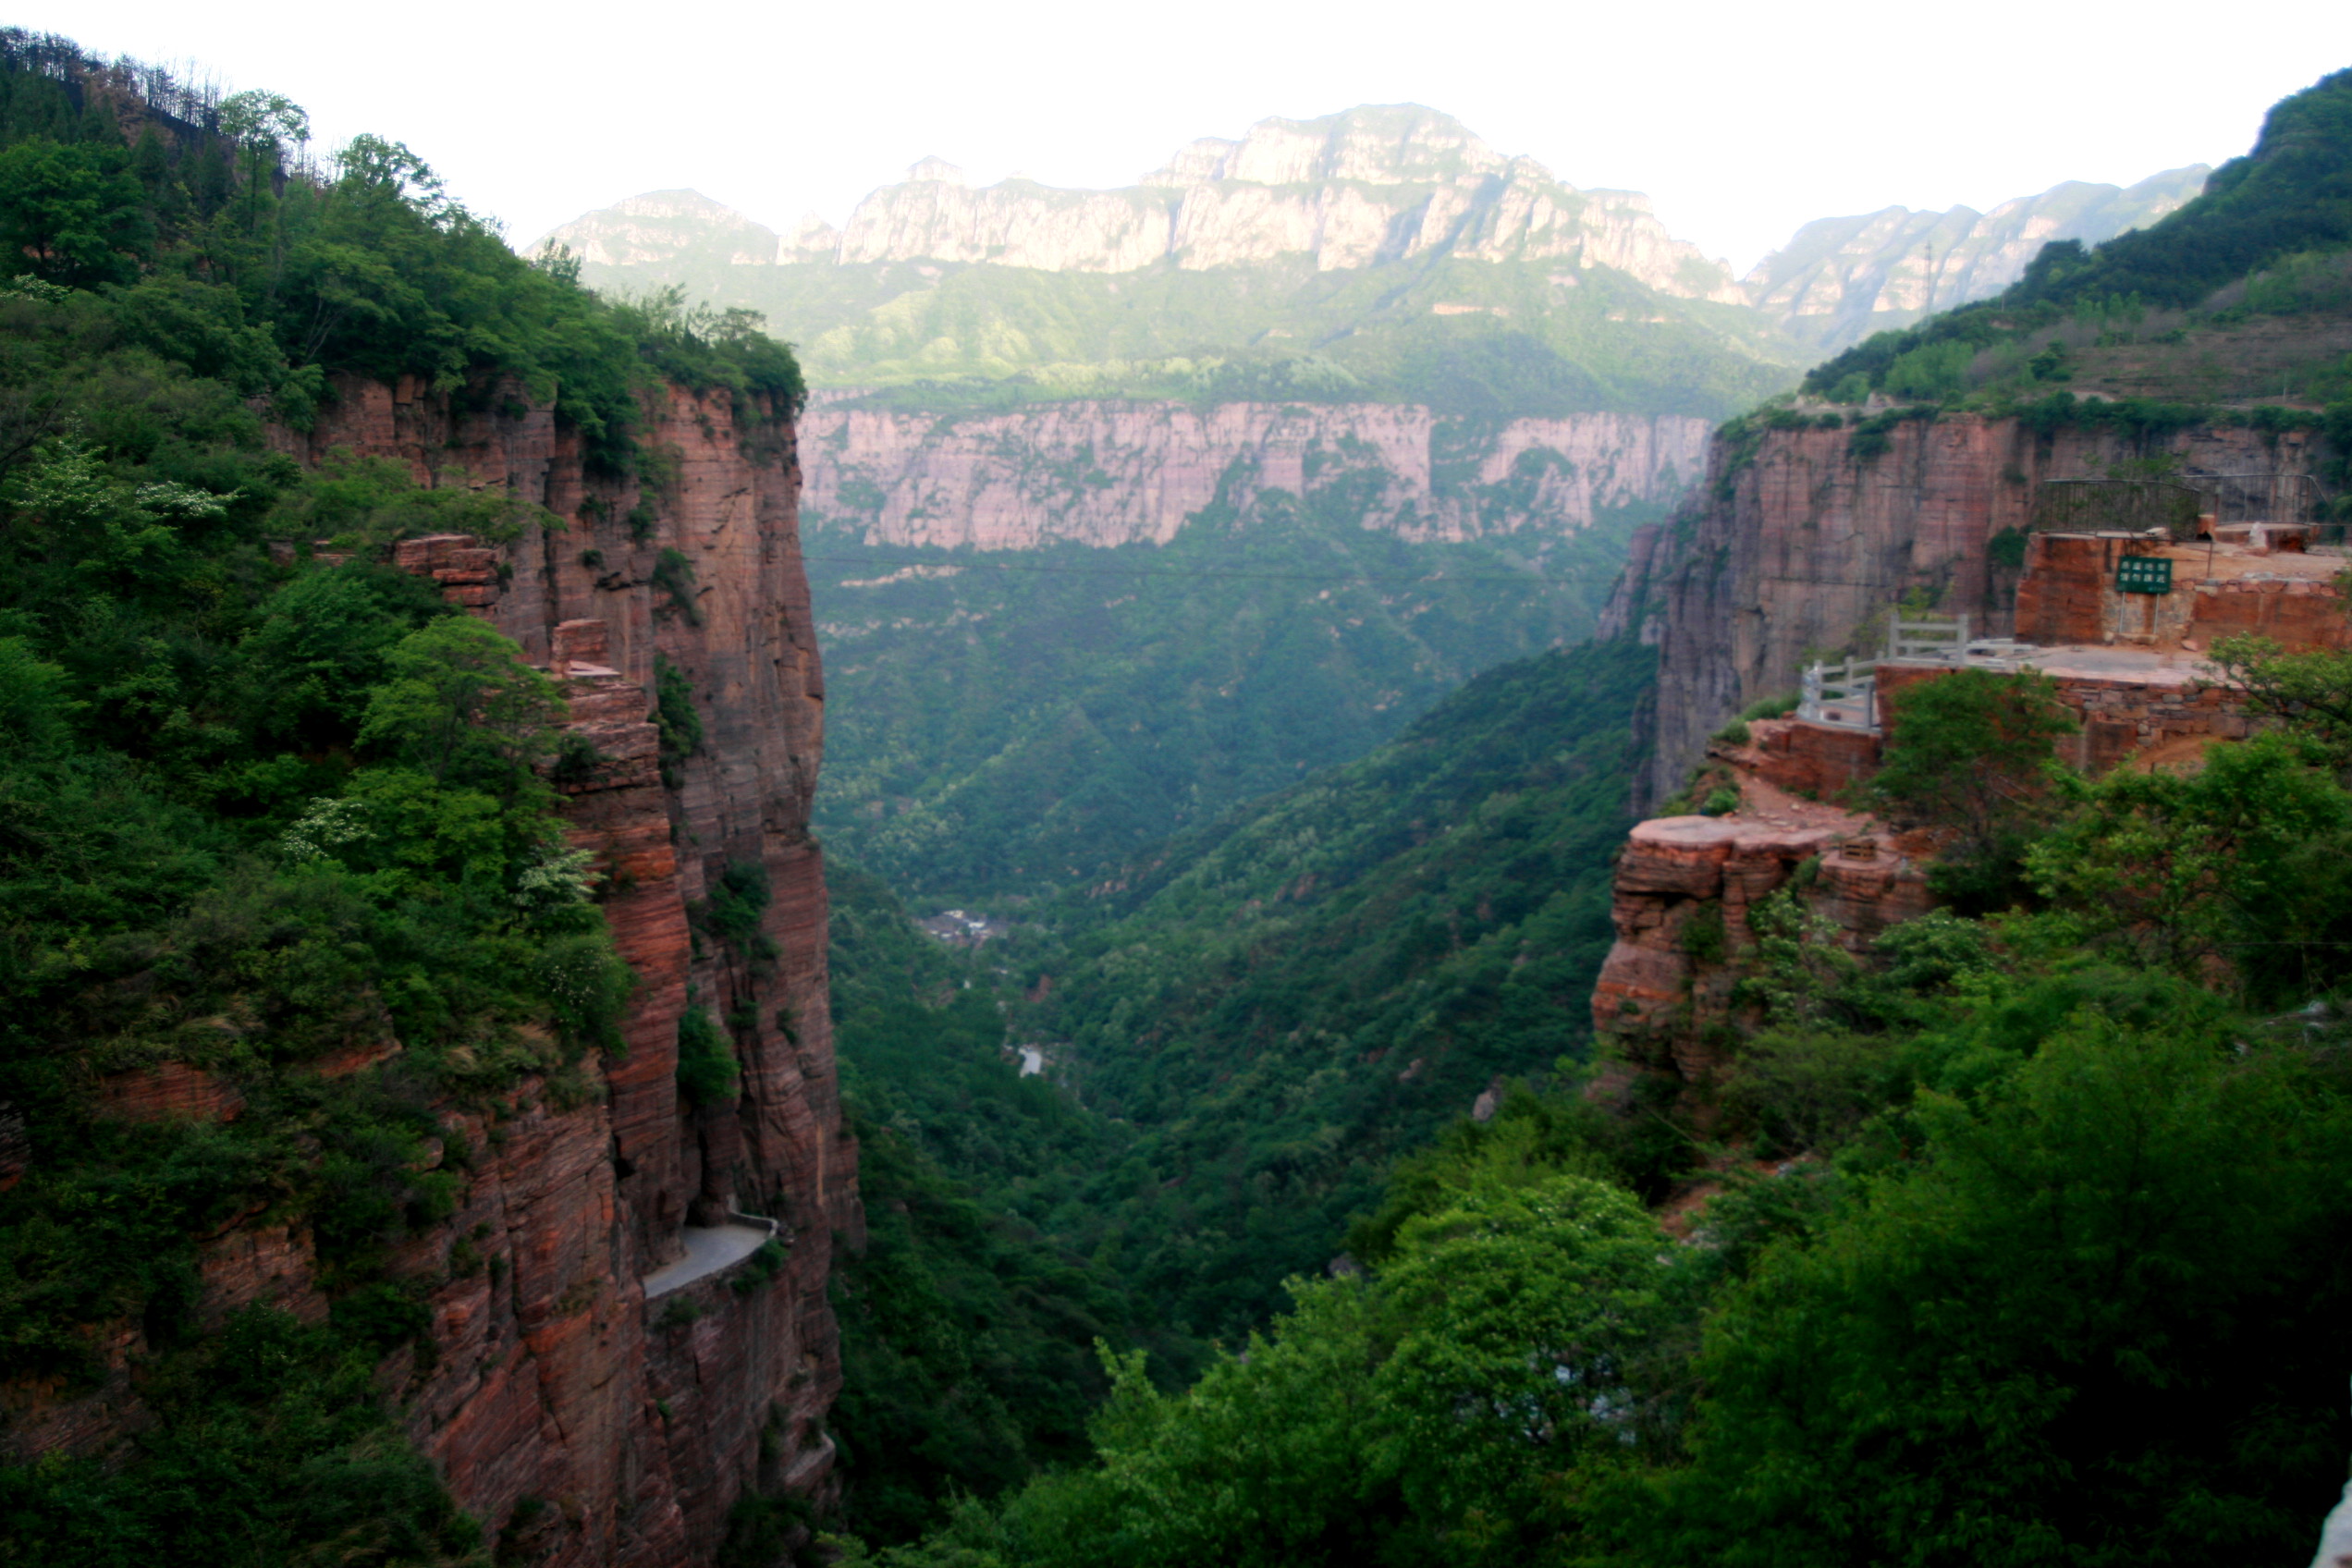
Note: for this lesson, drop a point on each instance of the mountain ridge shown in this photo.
(1389, 183)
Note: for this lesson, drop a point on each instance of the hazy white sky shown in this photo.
(1741, 120)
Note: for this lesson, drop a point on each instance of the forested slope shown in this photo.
(1003, 728)
(1241, 1038)
(2200, 306)
(271, 811)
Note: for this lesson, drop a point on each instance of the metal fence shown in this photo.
(2179, 506)
(2116, 505)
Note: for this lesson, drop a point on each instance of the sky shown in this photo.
(1741, 120)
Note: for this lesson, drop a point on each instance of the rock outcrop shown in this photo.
(634, 1432)
(1666, 1003)
(1378, 183)
(1797, 546)
(1110, 474)
(1838, 280)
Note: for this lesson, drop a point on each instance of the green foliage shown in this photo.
(1703, 936)
(2242, 865)
(259, 807)
(674, 575)
(706, 1070)
(733, 912)
(2093, 1322)
(999, 731)
(1419, 1417)
(1720, 803)
(214, 254)
(1280, 1005)
(2273, 223)
(1969, 753)
(2311, 689)
(967, 1337)
(270, 1445)
(679, 721)
(1732, 734)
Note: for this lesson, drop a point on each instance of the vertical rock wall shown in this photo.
(553, 1380)
(1105, 473)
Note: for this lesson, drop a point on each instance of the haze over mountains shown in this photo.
(1376, 187)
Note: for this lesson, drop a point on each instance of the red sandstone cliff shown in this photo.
(1799, 547)
(550, 1379)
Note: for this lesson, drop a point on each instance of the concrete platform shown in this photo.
(708, 1251)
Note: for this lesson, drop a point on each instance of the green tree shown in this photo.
(1969, 753)
(72, 211)
(2102, 1320)
(463, 705)
(2239, 874)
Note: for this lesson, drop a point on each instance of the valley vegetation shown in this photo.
(2022, 1238)
(2028, 1244)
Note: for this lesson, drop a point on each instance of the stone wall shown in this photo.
(2069, 596)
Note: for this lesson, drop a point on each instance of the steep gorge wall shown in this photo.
(552, 1378)
(1107, 473)
(1796, 546)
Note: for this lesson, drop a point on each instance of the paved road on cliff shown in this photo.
(707, 1251)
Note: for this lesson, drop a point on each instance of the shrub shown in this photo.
(706, 1070)
(1722, 803)
(1970, 753)
(1771, 707)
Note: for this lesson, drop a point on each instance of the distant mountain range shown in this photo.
(1254, 253)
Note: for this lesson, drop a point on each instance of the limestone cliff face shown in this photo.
(1119, 472)
(1796, 545)
(553, 1380)
(1841, 279)
(1374, 184)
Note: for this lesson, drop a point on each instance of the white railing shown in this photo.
(1933, 639)
(1844, 697)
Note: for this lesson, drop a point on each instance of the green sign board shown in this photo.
(2144, 574)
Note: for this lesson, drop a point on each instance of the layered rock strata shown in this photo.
(1110, 474)
(1797, 547)
(1665, 1003)
(549, 1379)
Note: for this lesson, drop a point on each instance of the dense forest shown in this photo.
(257, 802)
(1245, 1032)
(999, 731)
